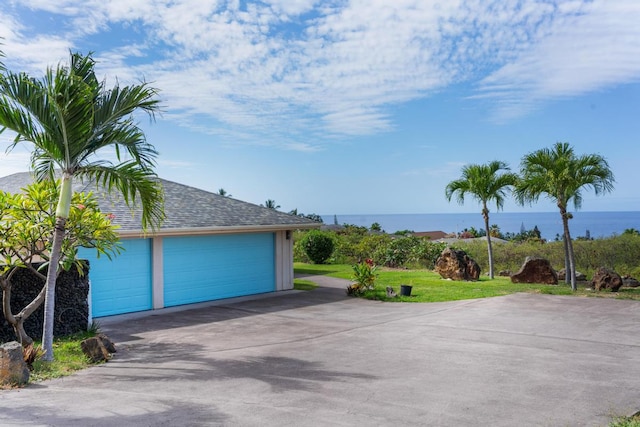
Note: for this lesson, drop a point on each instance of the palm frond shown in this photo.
(135, 184)
(560, 175)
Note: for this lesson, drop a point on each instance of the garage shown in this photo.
(123, 284)
(208, 248)
(206, 268)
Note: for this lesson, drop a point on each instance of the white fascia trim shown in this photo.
(216, 230)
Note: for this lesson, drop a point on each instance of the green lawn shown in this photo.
(430, 287)
(304, 285)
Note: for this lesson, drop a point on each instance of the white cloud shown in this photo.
(592, 46)
(286, 68)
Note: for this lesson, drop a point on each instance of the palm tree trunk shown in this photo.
(62, 213)
(571, 271)
(567, 266)
(485, 215)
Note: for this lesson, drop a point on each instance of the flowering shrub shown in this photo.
(364, 276)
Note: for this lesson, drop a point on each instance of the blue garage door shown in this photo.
(122, 284)
(206, 268)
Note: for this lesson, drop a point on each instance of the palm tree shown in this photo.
(70, 117)
(222, 192)
(561, 175)
(271, 204)
(485, 183)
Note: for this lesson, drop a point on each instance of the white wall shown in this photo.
(284, 260)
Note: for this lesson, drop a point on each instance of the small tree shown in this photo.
(318, 246)
(25, 226)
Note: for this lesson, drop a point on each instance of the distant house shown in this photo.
(210, 247)
(450, 240)
(432, 235)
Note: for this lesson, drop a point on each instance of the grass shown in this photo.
(633, 421)
(304, 285)
(69, 358)
(430, 287)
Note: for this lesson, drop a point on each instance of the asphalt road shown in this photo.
(320, 358)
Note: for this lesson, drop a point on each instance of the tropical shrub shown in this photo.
(398, 251)
(299, 254)
(425, 253)
(369, 245)
(318, 246)
(364, 276)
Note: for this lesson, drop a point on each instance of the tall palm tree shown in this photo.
(485, 183)
(561, 175)
(70, 117)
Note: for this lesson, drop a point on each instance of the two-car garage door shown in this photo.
(206, 268)
(195, 269)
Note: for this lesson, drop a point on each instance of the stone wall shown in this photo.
(71, 311)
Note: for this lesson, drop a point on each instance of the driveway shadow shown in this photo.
(192, 362)
(128, 328)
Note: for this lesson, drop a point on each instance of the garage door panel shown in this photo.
(205, 268)
(124, 283)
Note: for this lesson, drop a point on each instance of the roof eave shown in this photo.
(199, 231)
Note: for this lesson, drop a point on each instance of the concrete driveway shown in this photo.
(321, 359)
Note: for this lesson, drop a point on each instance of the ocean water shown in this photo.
(598, 224)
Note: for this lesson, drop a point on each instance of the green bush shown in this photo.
(397, 252)
(410, 250)
(299, 254)
(318, 246)
(426, 252)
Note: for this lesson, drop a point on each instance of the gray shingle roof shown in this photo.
(187, 209)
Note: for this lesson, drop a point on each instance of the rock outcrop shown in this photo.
(579, 276)
(98, 348)
(630, 282)
(13, 369)
(535, 270)
(457, 265)
(606, 280)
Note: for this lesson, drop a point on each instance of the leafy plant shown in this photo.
(318, 246)
(364, 276)
(32, 353)
(25, 223)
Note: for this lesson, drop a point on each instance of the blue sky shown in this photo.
(355, 107)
